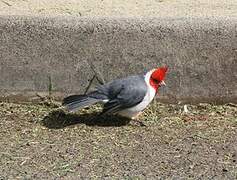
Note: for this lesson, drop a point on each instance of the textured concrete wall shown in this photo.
(36, 53)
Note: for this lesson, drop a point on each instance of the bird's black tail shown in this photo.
(76, 102)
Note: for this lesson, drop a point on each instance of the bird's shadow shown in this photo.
(59, 119)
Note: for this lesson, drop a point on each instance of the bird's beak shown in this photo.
(162, 83)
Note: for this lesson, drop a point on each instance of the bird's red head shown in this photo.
(157, 77)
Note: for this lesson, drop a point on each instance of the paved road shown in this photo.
(129, 8)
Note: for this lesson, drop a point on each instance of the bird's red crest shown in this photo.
(157, 77)
(159, 73)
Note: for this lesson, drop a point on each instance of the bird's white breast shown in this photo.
(134, 111)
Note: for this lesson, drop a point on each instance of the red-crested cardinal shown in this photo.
(125, 97)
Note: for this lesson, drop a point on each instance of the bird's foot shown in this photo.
(136, 120)
(137, 123)
(141, 123)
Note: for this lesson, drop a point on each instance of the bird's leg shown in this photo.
(135, 118)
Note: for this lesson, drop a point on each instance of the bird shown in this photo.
(126, 97)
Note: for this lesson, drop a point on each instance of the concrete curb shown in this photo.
(54, 55)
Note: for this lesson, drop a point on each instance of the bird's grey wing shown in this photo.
(125, 93)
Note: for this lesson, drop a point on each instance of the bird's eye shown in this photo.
(156, 81)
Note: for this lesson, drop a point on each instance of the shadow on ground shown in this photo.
(59, 119)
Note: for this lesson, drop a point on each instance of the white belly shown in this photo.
(134, 111)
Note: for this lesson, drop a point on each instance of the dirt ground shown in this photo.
(41, 141)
